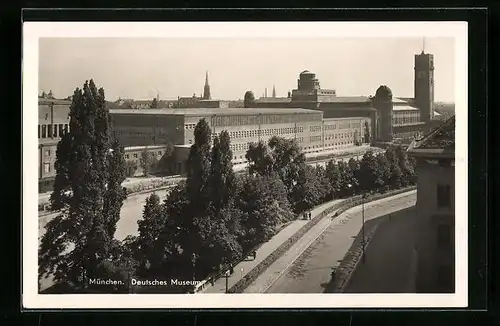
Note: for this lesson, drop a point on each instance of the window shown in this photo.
(190, 141)
(159, 153)
(60, 130)
(444, 235)
(44, 131)
(66, 128)
(443, 196)
(46, 167)
(55, 131)
(47, 152)
(39, 133)
(135, 155)
(49, 132)
(126, 156)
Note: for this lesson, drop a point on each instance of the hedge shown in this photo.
(341, 207)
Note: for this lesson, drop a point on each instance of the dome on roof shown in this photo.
(306, 72)
(383, 92)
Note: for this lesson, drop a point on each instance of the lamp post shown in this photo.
(226, 275)
(193, 260)
(363, 197)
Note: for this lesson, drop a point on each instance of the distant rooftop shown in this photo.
(440, 140)
(56, 101)
(213, 111)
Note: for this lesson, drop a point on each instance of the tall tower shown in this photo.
(424, 85)
(206, 89)
(382, 102)
(274, 92)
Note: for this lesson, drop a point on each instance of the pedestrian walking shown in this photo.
(310, 215)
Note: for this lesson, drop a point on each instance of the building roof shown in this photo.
(214, 111)
(138, 148)
(274, 100)
(347, 99)
(56, 101)
(404, 108)
(440, 141)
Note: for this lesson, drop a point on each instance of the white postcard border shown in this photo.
(32, 31)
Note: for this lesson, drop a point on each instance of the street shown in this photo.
(309, 271)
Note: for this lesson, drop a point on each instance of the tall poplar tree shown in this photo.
(87, 192)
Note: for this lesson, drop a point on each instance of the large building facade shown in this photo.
(245, 126)
(53, 122)
(435, 207)
(391, 117)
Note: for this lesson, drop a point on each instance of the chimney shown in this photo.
(265, 93)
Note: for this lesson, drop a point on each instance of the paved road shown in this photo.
(265, 250)
(306, 268)
(389, 266)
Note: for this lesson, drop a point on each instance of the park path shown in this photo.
(264, 251)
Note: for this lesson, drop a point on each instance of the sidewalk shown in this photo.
(265, 250)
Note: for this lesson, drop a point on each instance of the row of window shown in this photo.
(405, 120)
(315, 138)
(55, 130)
(136, 155)
(218, 121)
(339, 135)
(263, 132)
(314, 128)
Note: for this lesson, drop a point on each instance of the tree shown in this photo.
(396, 177)
(367, 135)
(198, 167)
(222, 179)
(150, 248)
(154, 104)
(115, 193)
(288, 159)
(333, 176)
(80, 238)
(306, 192)
(260, 161)
(368, 171)
(263, 203)
(353, 174)
(383, 172)
(166, 159)
(146, 161)
(249, 100)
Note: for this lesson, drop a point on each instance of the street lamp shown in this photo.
(226, 275)
(363, 197)
(193, 260)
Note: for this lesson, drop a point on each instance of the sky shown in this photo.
(142, 67)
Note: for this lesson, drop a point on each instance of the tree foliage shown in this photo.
(87, 192)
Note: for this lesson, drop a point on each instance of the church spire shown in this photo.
(274, 91)
(206, 89)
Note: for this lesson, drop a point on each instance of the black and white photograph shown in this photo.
(245, 165)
